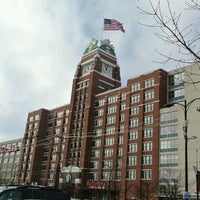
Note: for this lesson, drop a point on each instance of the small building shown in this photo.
(9, 161)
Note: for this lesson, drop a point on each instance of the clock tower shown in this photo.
(97, 72)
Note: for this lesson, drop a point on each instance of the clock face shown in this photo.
(107, 69)
(86, 69)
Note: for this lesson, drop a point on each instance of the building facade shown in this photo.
(104, 144)
(183, 101)
(9, 161)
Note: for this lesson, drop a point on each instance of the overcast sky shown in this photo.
(42, 42)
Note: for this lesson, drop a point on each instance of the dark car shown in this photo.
(33, 193)
(5, 187)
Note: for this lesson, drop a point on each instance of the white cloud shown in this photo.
(42, 42)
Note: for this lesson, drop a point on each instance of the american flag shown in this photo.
(112, 25)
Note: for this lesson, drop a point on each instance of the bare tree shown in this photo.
(193, 4)
(170, 184)
(185, 40)
(144, 190)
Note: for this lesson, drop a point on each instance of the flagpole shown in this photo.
(102, 31)
(101, 35)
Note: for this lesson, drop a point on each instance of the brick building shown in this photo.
(110, 133)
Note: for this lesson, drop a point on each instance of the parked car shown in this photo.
(33, 193)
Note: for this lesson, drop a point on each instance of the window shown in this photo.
(101, 102)
(122, 118)
(132, 148)
(135, 98)
(58, 122)
(52, 166)
(133, 135)
(111, 120)
(110, 130)
(11, 160)
(31, 125)
(148, 133)
(98, 132)
(53, 157)
(122, 106)
(149, 83)
(94, 164)
(56, 140)
(169, 131)
(35, 125)
(99, 112)
(169, 117)
(98, 122)
(101, 84)
(177, 94)
(109, 141)
(132, 160)
(121, 128)
(149, 95)
(112, 99)
(112, 109)
(135, 87)
(67, 112)
(59, 114)
(120, 141)
(131, 174)
(96, 143)
(107, 164)
(119, 151)
(106, 176)
(108, 152)
(118, 176)
(134, 110)
(146, 174)
(118, 163)
(148, 107)
(57, 131)
(46, 149)
(93, 176)
(133, 122)
(95, 154)
(147, 146)
(37, 117)
(177, 79)
(169, 145)
(147, 160)
(50, 116)
(169, 159)
(123, 96)
(168, 174)
(148, 120)
(66, 120)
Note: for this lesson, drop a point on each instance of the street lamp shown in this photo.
(197, 183)
(197, 173)
(186, 105)
(57, 172)
(58, 159)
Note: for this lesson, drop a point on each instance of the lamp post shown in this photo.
(197, 183)
(58, 159)
(186, 105)
(185, 128)
(57, 172)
